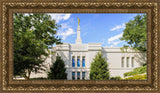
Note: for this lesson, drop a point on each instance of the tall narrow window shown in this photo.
(73, 61)
(83, 61)
(83, 75)
(127, 61)
(78, 75)
(78, 61)
(132, 61)
(73, 75)
(122, 60)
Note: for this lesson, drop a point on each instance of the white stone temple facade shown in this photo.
(78, 58)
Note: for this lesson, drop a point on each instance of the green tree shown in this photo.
(135, 33)
(33, 35)
(99, 68)
(57, 70)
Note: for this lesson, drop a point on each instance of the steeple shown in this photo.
(78, 40)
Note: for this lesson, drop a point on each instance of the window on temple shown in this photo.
(73, 61)
(83, 61)
(78, 61)
(127, 61)
(132, 61)
(78, 75)
(122, 60)
(83, 75)
(73, 75)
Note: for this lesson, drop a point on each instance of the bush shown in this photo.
(116, 78)
(137, 77)
(138, 70)
(41, 78)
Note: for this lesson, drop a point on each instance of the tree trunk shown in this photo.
(29, 73)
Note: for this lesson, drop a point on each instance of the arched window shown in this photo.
(78, 61)
(83, 75)
(78, 75)
(73, 61)
(83, 61)
(73, 75)
(127, 61)
(132, 61)
(122, 62)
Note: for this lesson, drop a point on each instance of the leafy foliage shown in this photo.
(99, 68)
(135, 33)
(139, 70)
(137, 77)
(57, 71)
(33, 34)
(116, 78)
(41, 78)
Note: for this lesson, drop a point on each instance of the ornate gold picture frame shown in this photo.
(8, 7)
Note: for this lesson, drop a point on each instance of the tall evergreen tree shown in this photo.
(99, 68)
(57, 70)
(33, 34)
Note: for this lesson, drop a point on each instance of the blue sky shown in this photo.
(104, 28)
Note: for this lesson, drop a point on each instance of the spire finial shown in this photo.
(78, 20)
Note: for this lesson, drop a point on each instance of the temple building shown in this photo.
(78, 58)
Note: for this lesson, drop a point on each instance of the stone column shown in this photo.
(70, 61)
(69, 75)
(87, 75)
(80, 75)
(75, 61)
(125, 61)
(75, 75)
(130, 62)
(81, 61)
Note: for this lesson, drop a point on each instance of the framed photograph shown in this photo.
(87, 46)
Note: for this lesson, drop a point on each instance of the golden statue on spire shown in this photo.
(78, 20)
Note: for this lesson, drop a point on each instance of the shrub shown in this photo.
(41, 78)
(138, 70)
(116, 78)
(137, 77)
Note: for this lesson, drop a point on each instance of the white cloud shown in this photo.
(111, 46)
(116, 43)
(103, 41)
(66, 16)
(118, 27)
(60, 17)
(114, 38)
(64, 26)
(66, 33)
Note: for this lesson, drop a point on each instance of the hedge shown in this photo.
(116, 78)
(137, 77)
(139, 70)
(40, 78)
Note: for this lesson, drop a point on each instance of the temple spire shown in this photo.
(78, 40)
